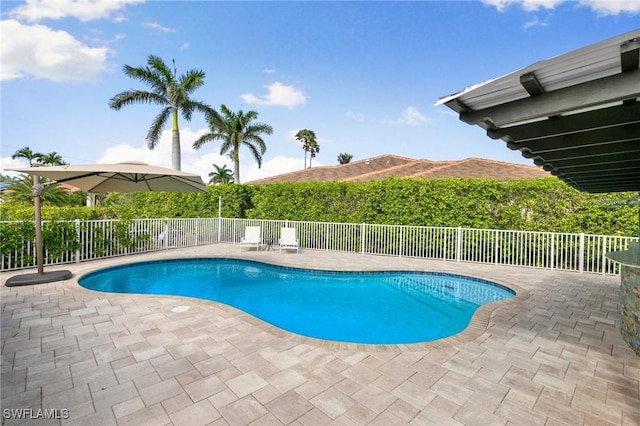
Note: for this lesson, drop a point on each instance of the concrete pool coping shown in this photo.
(476, 326)
(554, 357)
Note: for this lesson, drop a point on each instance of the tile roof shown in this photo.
(386, 166)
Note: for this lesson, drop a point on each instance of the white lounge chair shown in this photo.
(288, 239)
(252, 237)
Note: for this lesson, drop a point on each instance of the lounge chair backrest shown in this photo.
(252, 233)
(288, 235)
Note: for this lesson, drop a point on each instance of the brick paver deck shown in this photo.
(552, 356)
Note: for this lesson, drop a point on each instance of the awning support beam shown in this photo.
(607, 90)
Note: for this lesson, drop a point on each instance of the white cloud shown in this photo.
(84, 10)
(535, 22)
(39, 51)
(528, 5)
(413, 117)
(9, 163)
(269, 71)
(184, 46)
(159, 27)
(193, 161)
(602, 7)
(613, 7)
(410, 116)
(199, 161)
(355, 116)
(278, 94)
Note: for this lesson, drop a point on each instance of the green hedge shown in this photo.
(546, 205)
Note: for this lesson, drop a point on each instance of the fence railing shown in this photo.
(79, 241)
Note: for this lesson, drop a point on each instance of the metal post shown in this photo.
(362, 239)
(166, 233)
(79, 238)
(37, 188)
(327, 236)
(604, 257)
(553, 251)
(581, 254)
(219, 218)
(458, 244)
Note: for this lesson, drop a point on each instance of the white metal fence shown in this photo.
(78, 241)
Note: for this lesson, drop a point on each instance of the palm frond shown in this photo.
(155, 131)
(255, 140)
(191, 80)
(147, 76)
(256, 153)
(206, 138)
(130, 97)
(161, 69)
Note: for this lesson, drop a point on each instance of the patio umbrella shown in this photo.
(100, 178)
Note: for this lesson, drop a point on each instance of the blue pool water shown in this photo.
(356, 307)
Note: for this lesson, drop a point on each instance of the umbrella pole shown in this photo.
(38, 225)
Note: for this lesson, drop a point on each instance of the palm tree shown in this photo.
(314, 148)
(308, 138)
(221, 175)
(235, 130)
(51, 159)
(344, 158)
(27, 154)
(21, 192)
(167, 90)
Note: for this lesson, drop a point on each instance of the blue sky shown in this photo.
(363, 75)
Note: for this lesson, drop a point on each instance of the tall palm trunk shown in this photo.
(305, 159)
(175, 150)
(175, 142)
(236, 167)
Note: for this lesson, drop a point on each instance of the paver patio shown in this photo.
(552, 356)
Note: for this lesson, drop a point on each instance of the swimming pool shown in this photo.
(358, 307)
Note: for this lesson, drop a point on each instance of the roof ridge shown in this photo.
(297, 171)
(449, 163)
(337, 166)
(379, 157)
(396, 167)
(487, 160)
(408, 168)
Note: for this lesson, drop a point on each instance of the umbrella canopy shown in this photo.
(121, 177)
(99, 178)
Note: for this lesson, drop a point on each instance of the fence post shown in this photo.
(166, 234)
(581, 254)
(604, 258)
(401, 241)
(496, 250)
(459, 244)
(362, 239)
(197, 229)
(326, 236)
(79, 238)
(553, 251)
